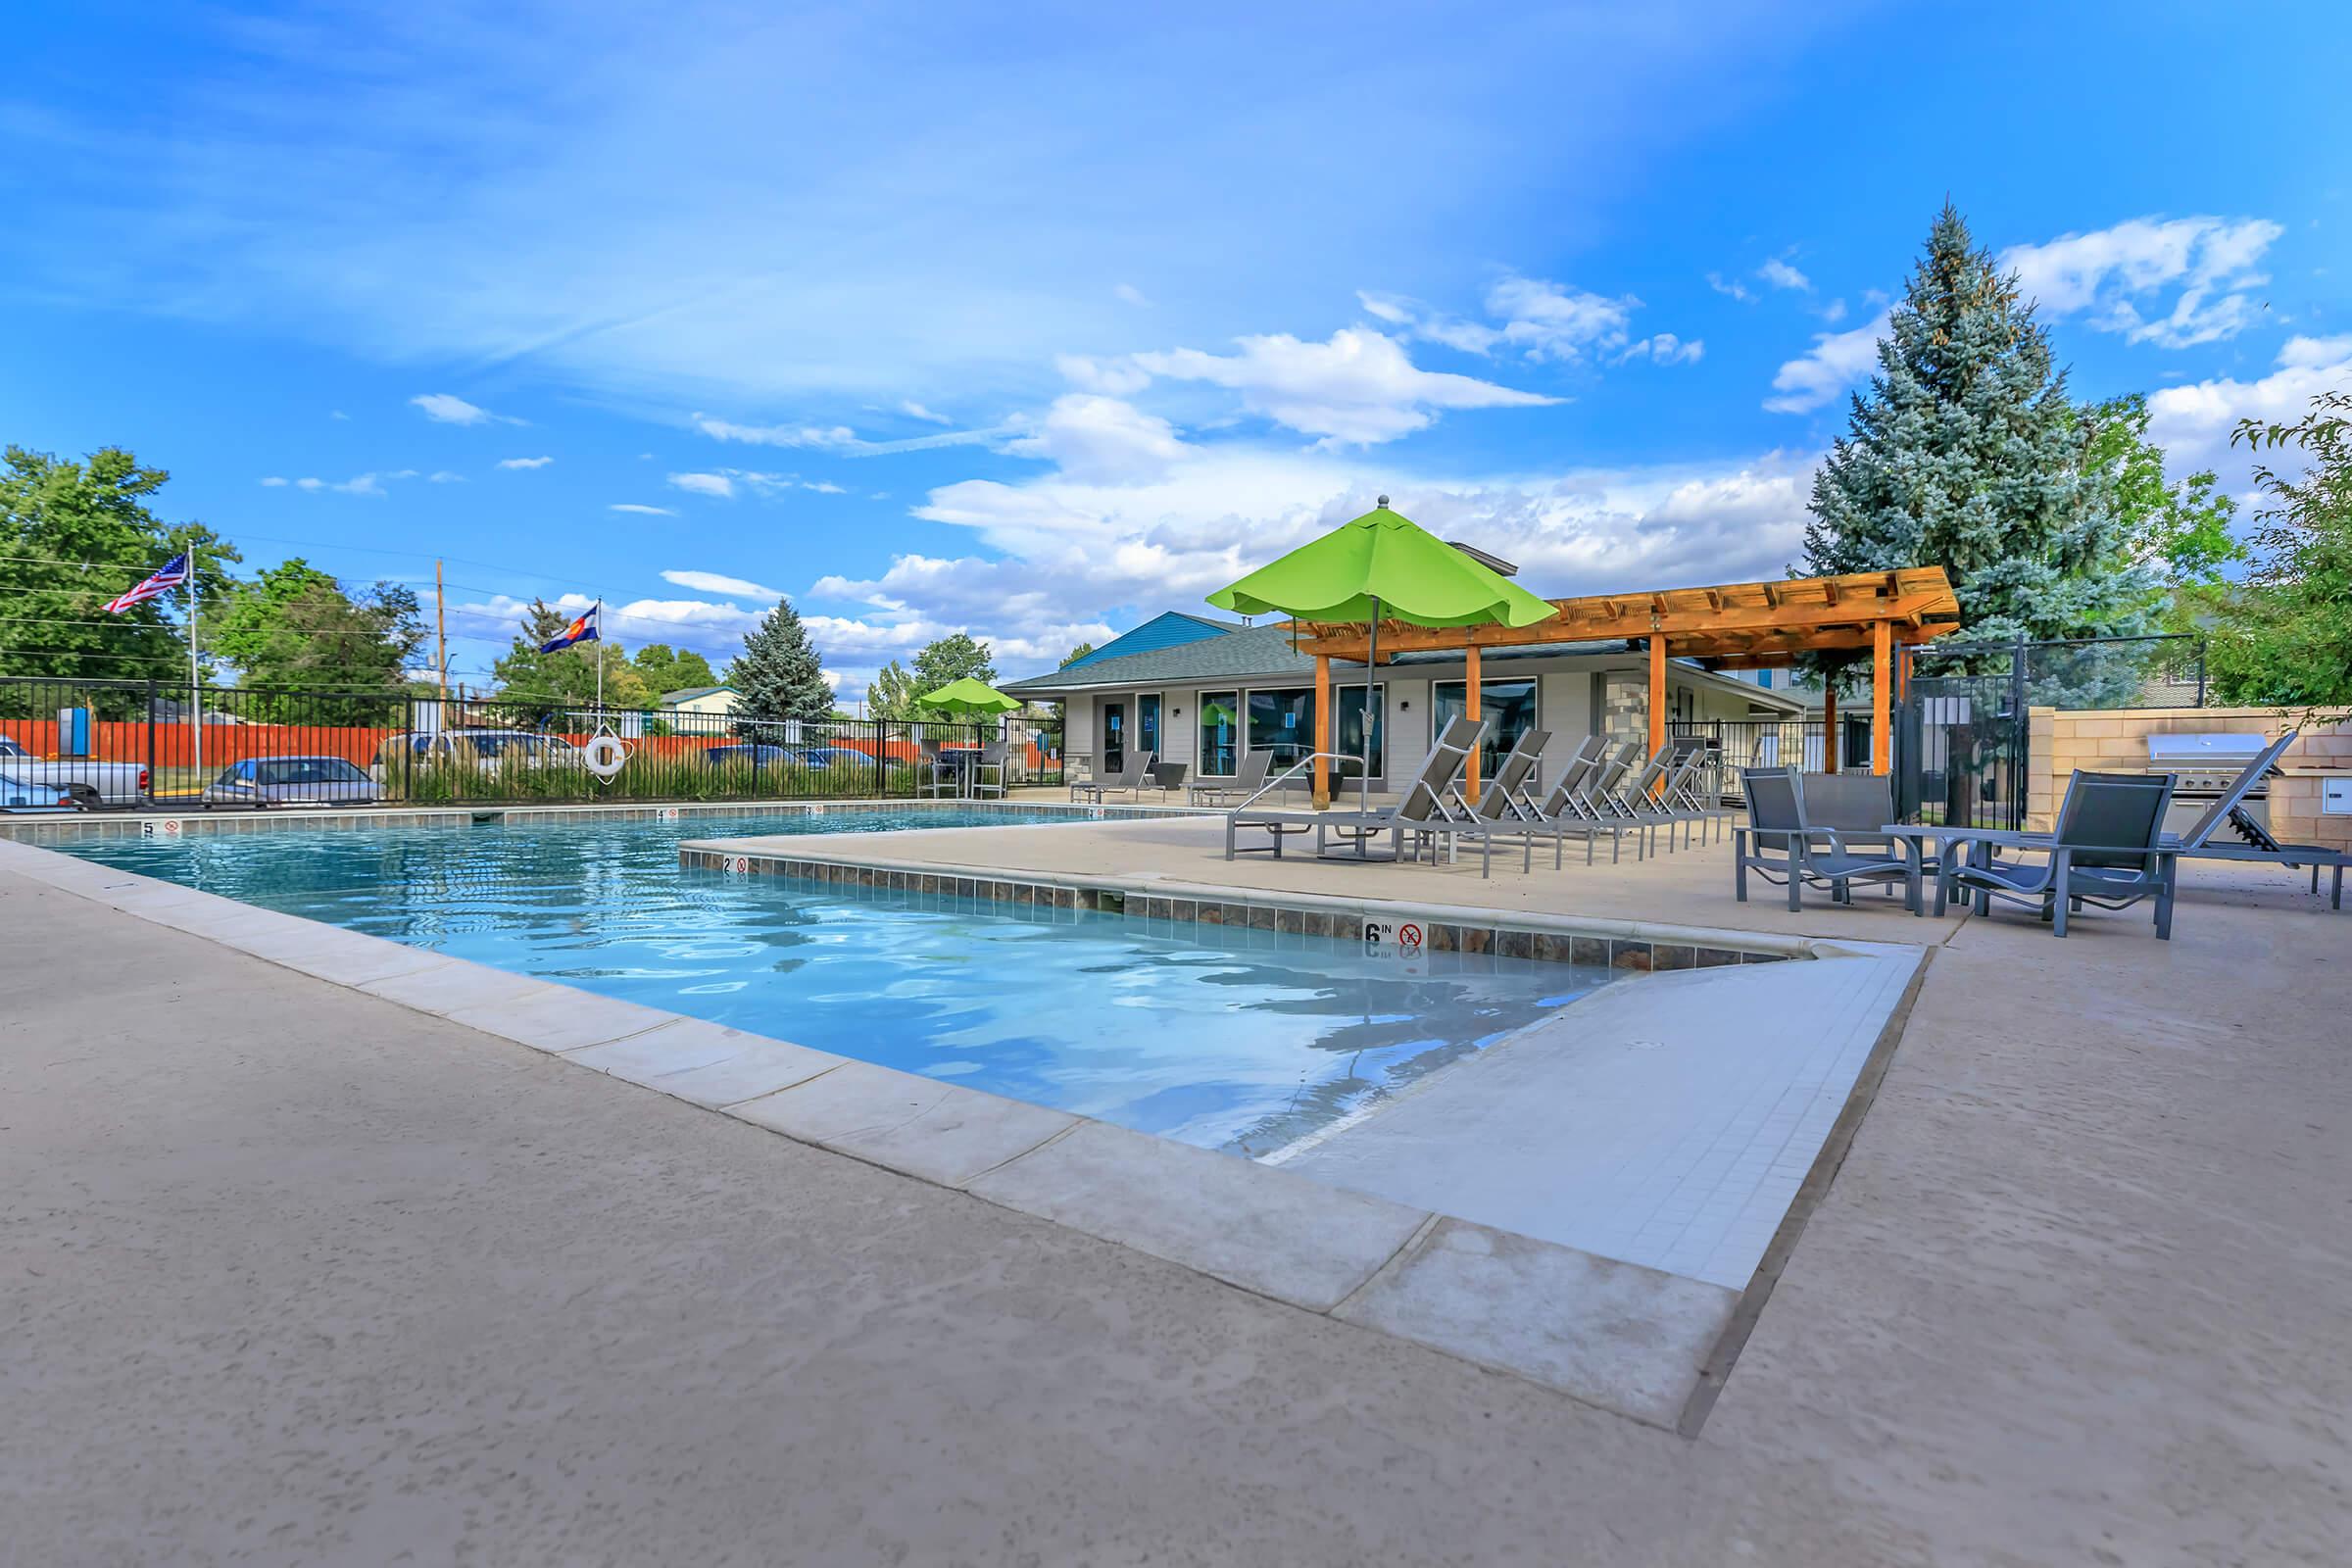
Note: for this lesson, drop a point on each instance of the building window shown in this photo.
(1283, 722)
(1507, 706)
(1348, 703)
(1220, 733)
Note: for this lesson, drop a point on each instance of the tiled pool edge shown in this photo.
(1631, 945)
(192, 822)
(1619, 1335)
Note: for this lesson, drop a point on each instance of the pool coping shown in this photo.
(1599, 941)
(1636, 1340)
(151, 823)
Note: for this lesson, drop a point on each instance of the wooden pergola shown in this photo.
(1745, 625)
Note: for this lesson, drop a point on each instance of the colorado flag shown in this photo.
(582, 630)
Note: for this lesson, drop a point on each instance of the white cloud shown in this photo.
(1835, 362)
(2108, 274)
(1556, 321)
(524, 462)
(1665, 349)
(1098, 438)
(642, 509)
(364, 484)
(2192, 422)
(777, 435)
(712, 582)
(916, 411)
(1780, 274)
(442, 409)
(1358, 389)
(272, 482)
(337, 413)
(444, 477)
(1112, 378)
(1730, 285)
(1833, 312)
(705, 484)
(823, 488)
(1431, 327)
(1132, 295)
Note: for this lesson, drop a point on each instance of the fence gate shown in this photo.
(1961, 738)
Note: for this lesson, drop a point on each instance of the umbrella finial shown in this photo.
(1384, 501)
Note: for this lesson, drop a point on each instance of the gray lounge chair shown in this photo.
(1560, 817)
(1245, 783)
(2108, 851)
(1135, 779)
(1430, 811)
(2255, 841)
(1502, 797)
(1782, 844)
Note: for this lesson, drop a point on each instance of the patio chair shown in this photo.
(2256, 843)
(1782, 844)
(1133, 779)
(1857, 806)
(1429, 811)
(1247, 781)
(2108, 851)
(1655, 799)
(988, 769)
(1603, 796)
(1503, 796)
(936, 775)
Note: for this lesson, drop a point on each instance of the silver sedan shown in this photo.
(259, 781)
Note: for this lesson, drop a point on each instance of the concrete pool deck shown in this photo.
(297, 1275)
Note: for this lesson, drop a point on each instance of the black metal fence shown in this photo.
(79, 744)
(1733, 744)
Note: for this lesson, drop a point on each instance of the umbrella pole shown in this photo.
(1363, 791)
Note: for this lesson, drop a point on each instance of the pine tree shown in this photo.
(777, 675)
(1966, 452)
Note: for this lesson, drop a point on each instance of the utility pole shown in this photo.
(441, 631)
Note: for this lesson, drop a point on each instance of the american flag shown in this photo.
(174, 572)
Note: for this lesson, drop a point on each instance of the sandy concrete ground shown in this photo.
(291, 1275)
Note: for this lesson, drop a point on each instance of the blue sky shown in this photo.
(1033, 325)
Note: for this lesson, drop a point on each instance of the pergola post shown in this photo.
(1829, 723)
(1470, 707)
(1882, 691)
(1657, 692)
(1322, 792)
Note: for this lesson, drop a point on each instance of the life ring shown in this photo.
(605, 754)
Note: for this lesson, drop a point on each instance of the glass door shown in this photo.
(1114, 737)
(1147, 725)
(1220, 727)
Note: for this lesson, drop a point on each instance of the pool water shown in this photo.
(1241, 1041)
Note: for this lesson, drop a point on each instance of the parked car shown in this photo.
(261, 781)
(84, 784)
(490, 749)
(23, 796)
(766, 756)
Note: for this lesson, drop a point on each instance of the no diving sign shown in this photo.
(1404, 936)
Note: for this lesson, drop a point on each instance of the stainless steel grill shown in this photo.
(2204, 765)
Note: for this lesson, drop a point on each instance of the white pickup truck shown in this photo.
(85, 783)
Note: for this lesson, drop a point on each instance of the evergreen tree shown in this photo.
(778, 675)
(1966, 452)
(950, 659)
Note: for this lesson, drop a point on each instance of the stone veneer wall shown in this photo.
(2064, 740)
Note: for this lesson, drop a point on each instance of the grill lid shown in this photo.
(2215, 750)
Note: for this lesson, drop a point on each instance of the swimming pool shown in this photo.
(1243, 1042)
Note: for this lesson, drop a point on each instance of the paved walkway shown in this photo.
(291, 1275)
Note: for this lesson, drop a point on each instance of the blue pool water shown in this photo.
(1241, 1041)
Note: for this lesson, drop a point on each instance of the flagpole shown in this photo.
(600, 659)
(195, 678)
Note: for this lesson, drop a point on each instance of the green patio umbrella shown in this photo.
(968, 698)
(1382, 565)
